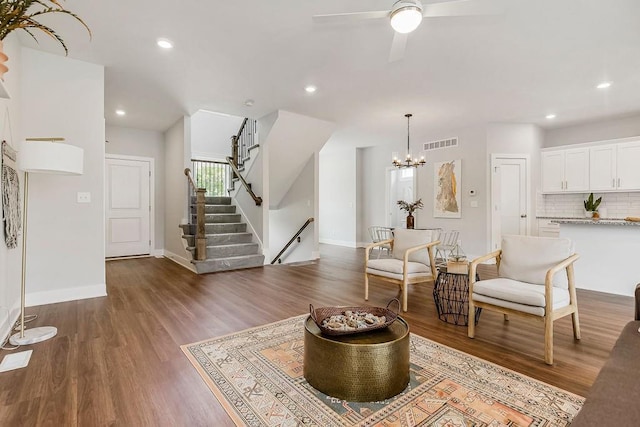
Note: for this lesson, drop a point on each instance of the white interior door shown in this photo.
(128, 208)
(509, 198)
(400, 186)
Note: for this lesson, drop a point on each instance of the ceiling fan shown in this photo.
(406, 15)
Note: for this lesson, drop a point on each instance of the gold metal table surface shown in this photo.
(363, 367)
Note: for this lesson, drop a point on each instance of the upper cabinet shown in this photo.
(601, 168)
(615, 167)
(565, 170)
(628, 166)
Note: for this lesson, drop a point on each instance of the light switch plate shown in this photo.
(15, 360)
(474, 203)
(84, 197)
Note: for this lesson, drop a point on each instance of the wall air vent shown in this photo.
(444, 143)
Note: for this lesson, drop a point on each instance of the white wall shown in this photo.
(296, 207)
(253, 214)
(10, 127)
(338, 201)
(211, 134)
(472, 151)
(371, 188)
(622, 127)
(176, 190)
(65, 248)
(292, 140)
(143, 143)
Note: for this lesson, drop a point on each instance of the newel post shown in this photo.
(201, 240)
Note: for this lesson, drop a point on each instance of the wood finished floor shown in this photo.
(117, 361)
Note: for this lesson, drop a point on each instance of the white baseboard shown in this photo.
(33, 299)
(339, 243)
(315, 255)
(158, 253)
(180, 260)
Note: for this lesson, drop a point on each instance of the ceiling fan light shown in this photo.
(406, 19)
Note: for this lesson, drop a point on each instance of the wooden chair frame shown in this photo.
(406, 280)
(550, 313)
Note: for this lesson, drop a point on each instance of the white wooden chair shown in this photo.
(528, 284)
(411, 261)
(378, 234)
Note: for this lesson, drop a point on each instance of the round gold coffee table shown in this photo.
(364, 367)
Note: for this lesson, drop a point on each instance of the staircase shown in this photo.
(228, 244)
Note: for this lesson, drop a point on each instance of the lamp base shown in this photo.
(34, 335)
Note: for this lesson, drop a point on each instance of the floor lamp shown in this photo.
(49, 156)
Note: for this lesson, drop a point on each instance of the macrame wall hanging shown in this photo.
(10, 196)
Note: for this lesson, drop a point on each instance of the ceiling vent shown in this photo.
(444, 143)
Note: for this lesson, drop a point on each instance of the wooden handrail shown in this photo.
(201, 239)
(306, 224)
(244, 123)
(187, 172)
(255, 198)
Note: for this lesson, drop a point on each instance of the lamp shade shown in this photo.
(50, 157)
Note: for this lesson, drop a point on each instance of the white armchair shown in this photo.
(411, 261)
(528, 284)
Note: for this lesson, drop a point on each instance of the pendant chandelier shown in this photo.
(408, 162)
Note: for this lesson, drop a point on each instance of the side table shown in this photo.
(364, 367)
(451, 296)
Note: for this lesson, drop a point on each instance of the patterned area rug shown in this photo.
(256, 375)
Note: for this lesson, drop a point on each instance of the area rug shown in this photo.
(256, 375)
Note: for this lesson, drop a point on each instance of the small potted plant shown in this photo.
(410, 208)
(591, 206)
(23, 15)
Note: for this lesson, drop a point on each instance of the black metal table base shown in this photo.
(451, 295)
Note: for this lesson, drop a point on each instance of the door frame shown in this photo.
(387, 190)
(493, 218)
(152, 199)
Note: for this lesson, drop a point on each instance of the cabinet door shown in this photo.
(602, 168)
(552, 171)
(576, 169)
(628, 166)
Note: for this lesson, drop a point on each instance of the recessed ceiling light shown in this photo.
(604, 85)
(164, 43)
(550, 116)
(121, 112)
(310, 89)
(249, 102)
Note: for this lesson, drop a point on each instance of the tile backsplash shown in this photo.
(614, 205)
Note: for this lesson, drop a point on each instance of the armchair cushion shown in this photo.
(527, 259)
(404, 239)
(519, 296)
(395, 266)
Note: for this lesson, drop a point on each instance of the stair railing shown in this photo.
(243, 141)
(246, 185)
(293, 239)
(201, 239)
(212, 175)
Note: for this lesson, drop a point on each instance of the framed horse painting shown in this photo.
(447, 201)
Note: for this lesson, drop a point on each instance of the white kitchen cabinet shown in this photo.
(602, 167)
(615, 167)
(553, 171)
(628, 166)
(565, 170)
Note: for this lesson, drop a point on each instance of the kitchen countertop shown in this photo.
(588, 221)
